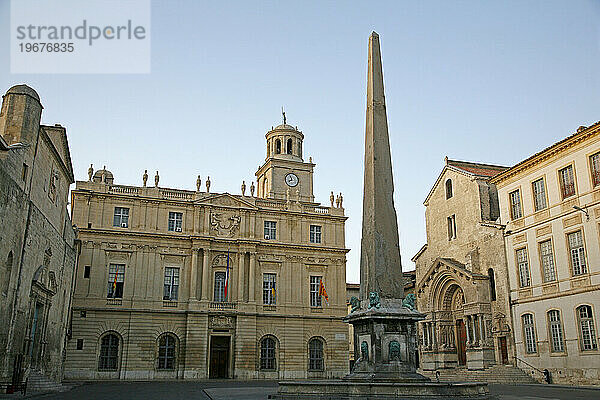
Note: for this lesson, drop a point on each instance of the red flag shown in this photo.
(322, 291)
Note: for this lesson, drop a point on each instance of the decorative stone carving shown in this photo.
(394, 351)
(156, 179)
(224, 224)
(198, 183)
(91, 172)
(221, 321)
(341, 200)
(208, 184)
(364, 351)
(252, 188)
(409, 301)
(145, 177)
(243, 188)
(220, 260)
(374, 301)
(355, 303)
(332, 199)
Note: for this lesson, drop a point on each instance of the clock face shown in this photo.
(291, 179)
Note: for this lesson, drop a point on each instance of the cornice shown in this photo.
(549, 152)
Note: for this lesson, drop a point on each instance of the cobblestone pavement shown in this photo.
(254, 390)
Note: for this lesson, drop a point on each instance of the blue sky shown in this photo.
(475, 80)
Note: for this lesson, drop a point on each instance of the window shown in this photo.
(547, 261)
(492, 284)
(299, 148)
(219, 287)
(448, 189)
(529, 333)
(79, 344)
(539, 194)
(315, 355)
(289, 146)
(166, 352)
(315, 234)
(523, 264)
(267, 354)
(315, 298)
(24, 172)
(270, 230)
(577, 253)
(556, 332)
(269, 289)
(175, 219)
(171, 287)
(86, 271)
(587, 331)
(452, 227)
(116, 277)
(109, 353)
(567, 182)
(595, 167)
(515, 204)
(277, 146)
(121, 217)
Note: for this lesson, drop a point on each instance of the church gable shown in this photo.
(58, 140)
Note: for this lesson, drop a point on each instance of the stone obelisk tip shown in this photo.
(380, 265)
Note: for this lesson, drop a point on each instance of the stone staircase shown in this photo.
(494, 374)
(40, 383)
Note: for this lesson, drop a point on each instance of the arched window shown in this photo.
(267, 354)
(315, 355)
(289, 146)
(277, 146)
(268, 149)
(557, 343)
(529, 333)
(299, 148)
(109, 353)
(587, 331)
(166, 352)
(7, 272)
(448, 188)
(492, 284)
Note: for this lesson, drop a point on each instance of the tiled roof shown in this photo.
(477, 169)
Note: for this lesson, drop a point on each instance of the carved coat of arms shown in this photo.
(224, 224)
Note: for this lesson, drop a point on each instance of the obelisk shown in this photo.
(385, 342)
(380, 265)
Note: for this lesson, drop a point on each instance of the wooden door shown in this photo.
(503, 349)
(219, 357)
(461, 342)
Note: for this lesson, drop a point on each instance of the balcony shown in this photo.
(222, 305)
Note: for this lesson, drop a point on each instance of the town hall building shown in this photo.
(179, 284)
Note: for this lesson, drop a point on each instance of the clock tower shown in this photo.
(284, 167)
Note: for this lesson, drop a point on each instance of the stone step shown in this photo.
(493, 374)
(39, 383)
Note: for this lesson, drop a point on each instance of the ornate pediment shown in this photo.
(226, 200)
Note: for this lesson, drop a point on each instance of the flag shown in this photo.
(114, 286)
(323, 292)
(273, 293)
(227, 275)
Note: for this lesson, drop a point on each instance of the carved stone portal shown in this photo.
(221, 321)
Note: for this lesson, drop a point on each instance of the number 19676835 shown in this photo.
(46, 47)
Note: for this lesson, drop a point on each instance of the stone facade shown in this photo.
(150, 300)
(37, 241)
(550, 204)
(461, 281)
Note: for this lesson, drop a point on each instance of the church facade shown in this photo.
(178, 284)
(461, 282)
